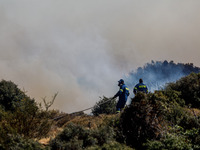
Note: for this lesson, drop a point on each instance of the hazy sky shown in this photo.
(81, 48)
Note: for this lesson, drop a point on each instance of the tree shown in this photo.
(49, 104)
(10, 95)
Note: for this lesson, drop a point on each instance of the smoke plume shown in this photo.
(157, 75)
(82, 48)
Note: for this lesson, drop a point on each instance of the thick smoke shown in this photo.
(157, 75)
(82, 48)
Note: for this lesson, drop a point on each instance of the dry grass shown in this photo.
(90, 121)
(193, 111)
(197, 111)
(51, 135)
(87, 121)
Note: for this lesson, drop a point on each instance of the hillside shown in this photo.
(165, 119)
(157, 73)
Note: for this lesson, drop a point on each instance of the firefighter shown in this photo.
(140, 87)
(123, 94)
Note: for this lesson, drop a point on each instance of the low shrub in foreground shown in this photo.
(176, 139)
(76, 137)
(21, 115)
(27, 120)
(17, 142)
(110, 146)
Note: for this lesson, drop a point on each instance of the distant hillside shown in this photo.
(157, 73)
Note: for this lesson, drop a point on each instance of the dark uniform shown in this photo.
(123, 94)
(140, 87)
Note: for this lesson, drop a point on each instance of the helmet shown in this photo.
(121, 81)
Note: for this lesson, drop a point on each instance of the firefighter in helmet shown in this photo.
(123, 94)
(140, 87)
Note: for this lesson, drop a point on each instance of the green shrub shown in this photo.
(172, 142)
(176, 138)
(110, 146)
(10, 95)
(104, 106)
(173, 110)
(154, 145)
(73, 137)
(175, 141)
(27, 120)
(76, 137)
(189, 87)
(141, 120)
(174, 96)
(103, 135)
(175, 113)
(189, 121)
(193, 135)
(19, 114)
(17, 142)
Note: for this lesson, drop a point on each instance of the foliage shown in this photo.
(17, 142)
(10, 95)
(189, 121)
(20, 116)
(174, 97)
(104, 106)
(110, 146)
(173, 110)
(176, 138)
(189, 87)
(26, 120)
(77, 137)
(148, 116)
(172, 142)
(175, 113)
(141, 120)
(73, 137)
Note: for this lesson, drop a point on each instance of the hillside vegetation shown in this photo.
(166, 119)
(157, 73)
